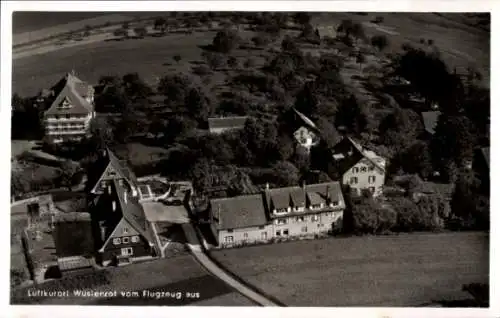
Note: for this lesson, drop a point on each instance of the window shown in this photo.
(299, 219)
(245, 235)
(56, 117)
(371, 168)
(67, 116)
(285, 232)
(371, 179)
(229, 239)
(304, 229)
(320, 225)
(261, 227)
(315, 218)
(127, 251)
(278, 233)
(354, 180)
(125, 240)
(280, 221)
(334, 203)
(125, 230)
(117, 241)
(230, 231)
(355, 170)
(263, 235)
(135, 239)
(282, 210)
(363, 169)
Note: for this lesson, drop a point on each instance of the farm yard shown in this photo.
(401, 270)
(178, 274)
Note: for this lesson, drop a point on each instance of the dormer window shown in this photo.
(315, 206)
(334, 203)
(281, 211)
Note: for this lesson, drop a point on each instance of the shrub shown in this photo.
(380, 42)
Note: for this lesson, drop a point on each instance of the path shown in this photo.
(195, 247)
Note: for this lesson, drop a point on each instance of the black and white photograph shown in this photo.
(250, 158)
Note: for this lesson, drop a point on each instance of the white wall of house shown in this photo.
(64, 127)
(248, 234)
(364, 175)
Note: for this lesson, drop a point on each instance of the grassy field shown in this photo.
(405, 270)
(179, 274)
(461, 44)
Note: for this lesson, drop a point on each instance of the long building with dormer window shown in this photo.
(71, 110)
(277, 213)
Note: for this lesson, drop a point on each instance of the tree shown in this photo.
(261, 40)
(135, 87)
(160, 23)
(67, 174)
(197, 104)
(289, 45)
(140, 31)
(417, 159)
(175, 88)
(102, 134)
(452, 141)
(349, 29)
(232, 62)
(214, 60)
(351, 115)
(225, 41)
(285, 174)
(380, 42)
(361, 59)
(399, 129)
(302, 18)
(328, 132)
(177, 58)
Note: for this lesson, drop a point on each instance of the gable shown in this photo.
(123, 228)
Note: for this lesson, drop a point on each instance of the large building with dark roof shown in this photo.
(71, 110)
(121, 230)
(277, 213)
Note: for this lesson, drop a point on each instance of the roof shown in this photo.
(132, 210)
(430, 120)
(73, 91)
(280, 197)
(74, 262)
(227, 122)
(486, 154)
(326, 191)
(99, 167)
(347, 152)
(239, 212)
(309, 123)
(159, 212)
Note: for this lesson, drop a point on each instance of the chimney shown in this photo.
(218, 213)
(125, 196)
(328, 194)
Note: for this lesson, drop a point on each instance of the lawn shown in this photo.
(403, 270)
(179, 274)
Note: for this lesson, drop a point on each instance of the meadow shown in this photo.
(401, 270)
(461, 44)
